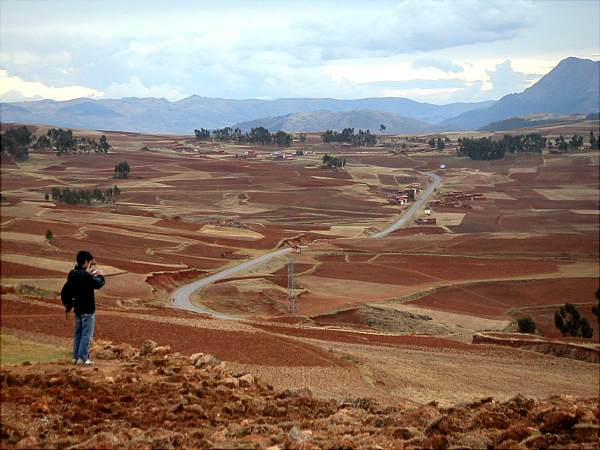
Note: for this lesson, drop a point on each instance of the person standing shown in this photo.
(83, 280)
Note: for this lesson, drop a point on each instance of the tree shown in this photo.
(594, 143)
(42, 142)
(431, 142)
(382, 128)
(526, 325)
(122, 170)
(576, 141)
(104, 146)
(440, 144)
(260, 135)
(570, 323)
(282, 139)
(61, 140)
(15, 142)
(49, 236)
(302, 137)
(333, 162)
(561, 144)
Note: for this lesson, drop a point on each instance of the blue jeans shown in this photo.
(84, 331)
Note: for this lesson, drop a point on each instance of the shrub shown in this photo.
(526, 325)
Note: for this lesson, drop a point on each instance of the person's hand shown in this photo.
(97, 271)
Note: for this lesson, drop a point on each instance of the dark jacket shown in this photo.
(82, 284)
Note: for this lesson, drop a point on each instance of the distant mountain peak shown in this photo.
(572, 87)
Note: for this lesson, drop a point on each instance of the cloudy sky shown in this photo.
(428, 50)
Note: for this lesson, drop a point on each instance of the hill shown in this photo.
(535, 120)
(156, 115)
(328, 120)
(572, 87)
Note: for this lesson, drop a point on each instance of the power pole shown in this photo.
(292, 307)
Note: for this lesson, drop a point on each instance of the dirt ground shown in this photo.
(386, 318)
(150, 397)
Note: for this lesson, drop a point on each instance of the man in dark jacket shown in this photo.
(83, 279)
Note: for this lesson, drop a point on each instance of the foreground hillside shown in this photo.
(153, 398)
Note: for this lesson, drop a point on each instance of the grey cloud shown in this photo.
(443, 64)
(416, 83)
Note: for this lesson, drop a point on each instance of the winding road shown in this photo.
(180, 299)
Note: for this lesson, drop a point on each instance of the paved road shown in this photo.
(180, 299)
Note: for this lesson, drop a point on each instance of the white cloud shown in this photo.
(505, 80)
(11, 86)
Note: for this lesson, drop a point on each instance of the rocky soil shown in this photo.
(153, 398)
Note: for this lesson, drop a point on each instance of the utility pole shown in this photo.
(291, 297)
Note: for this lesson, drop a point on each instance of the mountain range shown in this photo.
(329, 120)
(571, 87)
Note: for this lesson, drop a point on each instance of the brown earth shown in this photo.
(497, 299)
(151, 398)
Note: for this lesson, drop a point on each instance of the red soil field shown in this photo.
(130, 266)
(298, 269)
(31, 249)
(396, 162)
(40, 228)
(236, 346)
(209, 251)
(486, 244)
(352, 337)
(415, 269)
(563, 243)
(345, 317)
(167, 281)
(191, 261)
(388, 180)
(414, 231)
(332, 258)
(107, 250)
(544, 321)
(496, 299)
(15, 270)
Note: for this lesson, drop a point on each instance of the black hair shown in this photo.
(83, 256)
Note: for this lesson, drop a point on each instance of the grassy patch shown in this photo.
(14, 350)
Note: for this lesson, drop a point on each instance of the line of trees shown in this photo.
(63, 141)
(259, 135)
(486, 148)
(333, 162)
(574, 143)
(348, 136)
(75, 197)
